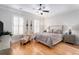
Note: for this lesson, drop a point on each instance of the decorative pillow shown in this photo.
(57, 31)
(27, 37)
(50, 31)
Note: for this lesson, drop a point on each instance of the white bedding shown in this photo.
(48, 39)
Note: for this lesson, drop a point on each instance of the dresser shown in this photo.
(69, 38)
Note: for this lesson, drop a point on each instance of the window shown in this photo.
(17, 25)
(36, 26)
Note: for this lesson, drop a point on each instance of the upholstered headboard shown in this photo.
(56, 28)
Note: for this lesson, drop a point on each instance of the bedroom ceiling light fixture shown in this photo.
(42, 9)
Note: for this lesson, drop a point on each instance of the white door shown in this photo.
(36, 26)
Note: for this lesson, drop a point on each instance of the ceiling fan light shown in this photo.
(41, 13)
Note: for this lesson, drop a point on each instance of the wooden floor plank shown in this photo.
(35, 48)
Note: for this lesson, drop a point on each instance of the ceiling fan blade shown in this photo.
(39, 9)
(45, 10)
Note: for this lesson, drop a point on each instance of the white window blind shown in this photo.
(17, 25)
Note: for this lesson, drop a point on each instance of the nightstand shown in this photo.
(69, 38)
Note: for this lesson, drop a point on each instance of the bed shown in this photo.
(52, 37)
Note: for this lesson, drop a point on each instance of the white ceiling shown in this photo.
(54, 8)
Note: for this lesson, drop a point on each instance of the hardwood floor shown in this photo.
(35, 48)
(5, 51)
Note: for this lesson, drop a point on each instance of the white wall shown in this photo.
(70, 19)
(7, 14)
(5, 17)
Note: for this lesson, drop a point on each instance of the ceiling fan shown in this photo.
(42, 8)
